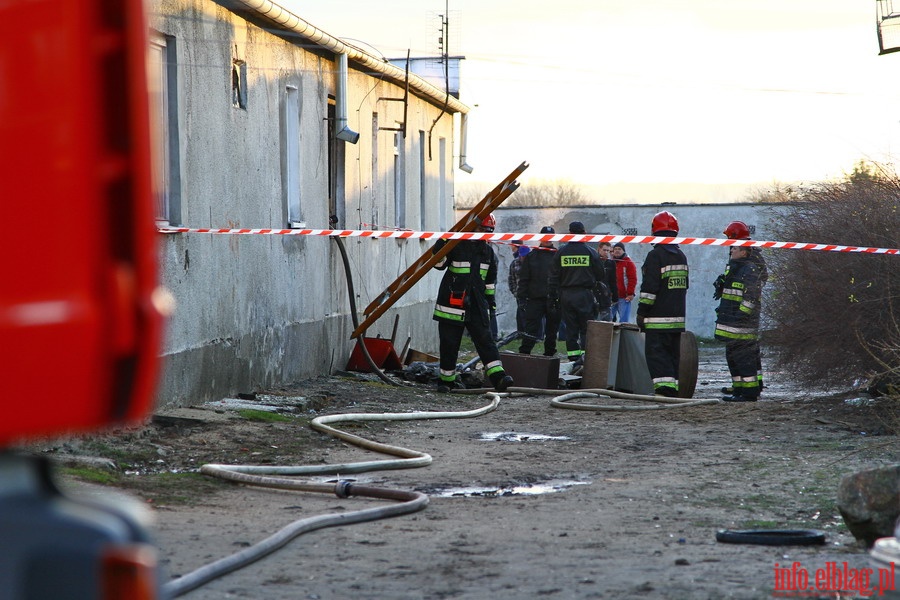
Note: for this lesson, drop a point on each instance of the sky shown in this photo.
(729, 95)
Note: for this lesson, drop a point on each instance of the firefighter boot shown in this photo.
(501, 381)
(740, 398)
(446, 386)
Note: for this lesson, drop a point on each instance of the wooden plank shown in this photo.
(424, 263)
(466, 223)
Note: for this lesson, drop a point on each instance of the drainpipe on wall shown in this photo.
(343, 131)
(275, 13)
(463, 134)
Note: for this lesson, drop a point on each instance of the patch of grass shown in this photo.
(186, 489)
(378, 384)
(704, 523)
(760, 502)
(124, 454)
(91, 475)
(824, 445)
(264, 416)
(759, 524)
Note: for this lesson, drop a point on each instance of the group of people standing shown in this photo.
(577, 283)
(571, 286)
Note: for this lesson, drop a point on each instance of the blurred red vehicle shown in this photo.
(79, 327)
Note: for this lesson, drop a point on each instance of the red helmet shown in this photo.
(664, 221)
(737, 230)
(489, 222)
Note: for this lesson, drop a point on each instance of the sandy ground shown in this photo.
(610, 504)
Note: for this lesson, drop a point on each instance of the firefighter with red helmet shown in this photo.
(739, 291)
(464, 303)
(662, 306)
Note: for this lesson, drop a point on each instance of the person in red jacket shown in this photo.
(626, 280)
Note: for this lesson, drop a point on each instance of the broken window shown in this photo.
(239, 84)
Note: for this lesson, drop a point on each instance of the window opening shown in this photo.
(292, 156)
(239, 84)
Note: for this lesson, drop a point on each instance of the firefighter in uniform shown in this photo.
(738, 230)
(739, 292)
(661, 309)
(464, 302)
(532, 294)
(574, 275)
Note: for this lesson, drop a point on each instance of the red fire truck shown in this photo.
(79, 325)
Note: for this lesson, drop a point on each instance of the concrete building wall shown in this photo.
(259, 311)
(696, 220)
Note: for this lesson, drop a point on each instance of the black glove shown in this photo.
(719, 285)
(640, 322)
(438, 245)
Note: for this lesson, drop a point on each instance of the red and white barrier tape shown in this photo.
(536, 237)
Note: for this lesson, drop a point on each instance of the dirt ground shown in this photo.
(610, 504)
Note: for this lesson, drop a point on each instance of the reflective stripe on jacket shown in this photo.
(664, 285)
(737, 316)
(469, 283)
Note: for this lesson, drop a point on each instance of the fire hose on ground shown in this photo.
(266, 476)
(276, 477)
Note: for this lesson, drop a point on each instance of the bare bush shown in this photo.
(835, 313)
(533, 193)
(468, 195)
(776, 193)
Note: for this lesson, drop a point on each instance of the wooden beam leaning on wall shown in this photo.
(424, 263)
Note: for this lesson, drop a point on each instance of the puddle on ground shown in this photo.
(525, 489)
(511, 436)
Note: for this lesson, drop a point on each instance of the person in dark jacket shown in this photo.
(607, 289)
(519, 254)
(737, 323)
(662, 306)
(738, 230)
(534, 277)
(464, 302)
(573, 278)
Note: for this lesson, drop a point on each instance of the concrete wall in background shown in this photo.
(696, 220)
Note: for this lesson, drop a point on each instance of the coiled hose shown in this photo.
(262, 476)
(408, 501)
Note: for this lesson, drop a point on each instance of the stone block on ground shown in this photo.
(869, 502)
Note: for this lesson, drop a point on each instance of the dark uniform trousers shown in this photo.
(578, 307)
(538, 310)
(743, 363)
(662, 349)
(451, 337)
